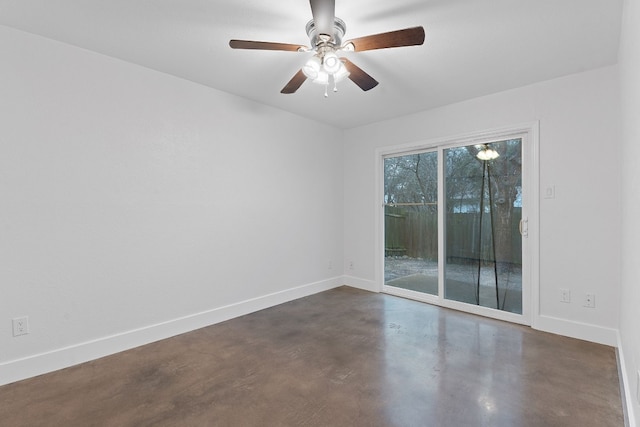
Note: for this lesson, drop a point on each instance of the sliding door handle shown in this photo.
(524, 227)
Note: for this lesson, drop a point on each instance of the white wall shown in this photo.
(630, 302)
(579, 153)
(135, 205)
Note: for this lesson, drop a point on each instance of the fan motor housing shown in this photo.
(339, 28)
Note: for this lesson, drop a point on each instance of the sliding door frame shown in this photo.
(529, 133)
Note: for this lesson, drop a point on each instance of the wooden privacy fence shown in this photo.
(415, 234)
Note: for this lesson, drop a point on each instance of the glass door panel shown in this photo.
(411, 222)
(483, 202)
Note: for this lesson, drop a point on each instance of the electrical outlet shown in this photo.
(350, 265)
(565, 295)
(330, 265)
(590, 301)
(20, 326)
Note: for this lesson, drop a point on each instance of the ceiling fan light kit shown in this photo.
(331, 63)
(325, 32)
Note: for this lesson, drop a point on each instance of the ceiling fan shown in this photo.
(325, 33)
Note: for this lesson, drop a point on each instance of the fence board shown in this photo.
(415, 234)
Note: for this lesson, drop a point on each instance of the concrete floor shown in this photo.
(340, 358)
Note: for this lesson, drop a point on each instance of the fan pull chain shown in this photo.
(326, 90)
(335, 85)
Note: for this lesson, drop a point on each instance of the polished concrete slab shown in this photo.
(340, 358)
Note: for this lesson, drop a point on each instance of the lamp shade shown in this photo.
(331, 62)
(322, 78)
(487, 153)
(312, 67)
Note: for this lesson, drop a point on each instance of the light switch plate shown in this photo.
(550, 192)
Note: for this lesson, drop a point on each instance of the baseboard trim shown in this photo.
(579, 330)
(627, 392)
(356, 282)
(31, 366)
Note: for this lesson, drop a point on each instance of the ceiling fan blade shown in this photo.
(250, 44)
(399, 38)
(358, 76)
(295, 83)
(323, 15)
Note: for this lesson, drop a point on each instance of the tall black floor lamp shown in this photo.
(486, 181)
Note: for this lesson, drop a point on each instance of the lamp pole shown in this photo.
(486, 176)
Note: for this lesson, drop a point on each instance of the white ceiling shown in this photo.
(472, 47)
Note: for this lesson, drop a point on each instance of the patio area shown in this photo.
(461, 281)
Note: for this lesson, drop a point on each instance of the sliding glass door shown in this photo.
(453, 225)
(483, 207)
(411, 222)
